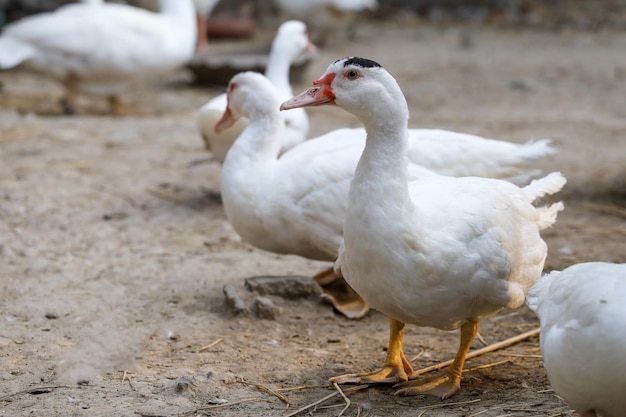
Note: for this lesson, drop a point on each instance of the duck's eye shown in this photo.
(352, 74)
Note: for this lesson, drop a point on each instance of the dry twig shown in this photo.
(326, 398)
(42, 389)
(301, 387)
(210, 345)
(125, 377)
(522, 355)
(430, 407)
(489, 365)
(419, 355)
(267, 390)
(505, 343)
(245, 400)
(348, 402)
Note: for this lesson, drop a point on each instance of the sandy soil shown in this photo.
(114, 248)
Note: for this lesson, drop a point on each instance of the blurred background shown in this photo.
(545, 14)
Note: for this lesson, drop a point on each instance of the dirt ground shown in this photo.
(114, 248)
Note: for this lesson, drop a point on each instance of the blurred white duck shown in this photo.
(325, 17)
(204, 8)
(581, 310)
(441, 252)
(101, 48)
(290, 42)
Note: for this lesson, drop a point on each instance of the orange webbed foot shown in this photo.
(443, 386)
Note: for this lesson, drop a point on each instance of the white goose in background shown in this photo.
(101, 48)
(204, 8)
(291, 41)
(440, 251)
(583, 316)
(326, 17)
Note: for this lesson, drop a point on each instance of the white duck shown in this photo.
(204, 8)
(290, 42)
(325, 17)
(441, 252)
(101, 48)
(581, 310)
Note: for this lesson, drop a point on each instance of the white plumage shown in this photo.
(101, 48)
(291, 42)
(582, 311)
(285, 203)
(440, 251)
(326, 17)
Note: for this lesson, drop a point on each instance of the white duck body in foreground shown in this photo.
(442, 252)
(291, 42)
(583, 317)
(100, 48)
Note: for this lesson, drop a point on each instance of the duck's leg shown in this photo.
(201, 41)
(69, 102)
(446, 385)
(116, 108)
(396, 369)
(342, 297)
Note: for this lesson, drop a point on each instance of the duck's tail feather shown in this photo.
(547, 215)
(534, 149)
(547, 185)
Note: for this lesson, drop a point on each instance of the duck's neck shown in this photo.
(259, 143)
(381, 177)
(277, 70)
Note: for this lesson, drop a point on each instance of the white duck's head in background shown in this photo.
(249, 94)
(290, 43)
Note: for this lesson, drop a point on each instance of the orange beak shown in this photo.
(227, 119)
(320, 93)
(311, 48)
(225, 122)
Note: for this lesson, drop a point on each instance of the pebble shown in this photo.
(266, 309)
(234, 302)
(289, 287)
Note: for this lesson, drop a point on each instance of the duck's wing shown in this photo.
(461, 154)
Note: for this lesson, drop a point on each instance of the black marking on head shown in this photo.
(360, 62)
